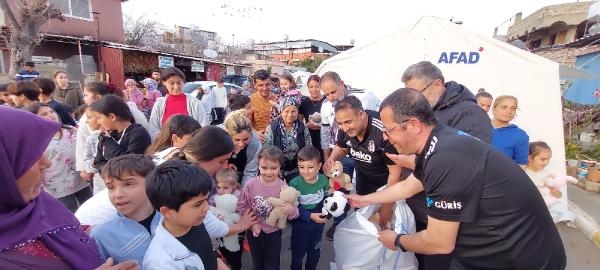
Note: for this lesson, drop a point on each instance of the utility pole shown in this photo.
(100, 61)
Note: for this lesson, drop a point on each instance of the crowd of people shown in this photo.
(109, 178)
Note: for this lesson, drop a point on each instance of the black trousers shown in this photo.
(265, 250)
(234, 258)
(220, 113)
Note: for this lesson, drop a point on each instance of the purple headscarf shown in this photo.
(151, 83)
(23, 139)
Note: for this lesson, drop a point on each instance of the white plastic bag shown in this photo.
(356, 245)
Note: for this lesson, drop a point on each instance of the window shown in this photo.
(74, 8)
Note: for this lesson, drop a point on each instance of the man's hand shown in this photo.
(127, 265)
(318, 218)
(555, 193)
(357, 201)
(329, 163)
(385, 214)
(387, 238)
(405, 161)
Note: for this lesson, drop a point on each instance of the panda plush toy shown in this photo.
(334, 205)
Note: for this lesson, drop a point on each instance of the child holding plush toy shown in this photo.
(265, 239)
(539, 157)
(549, 184)
(223, 205)
(307, 229)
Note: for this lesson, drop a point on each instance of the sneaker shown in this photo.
(330, 232)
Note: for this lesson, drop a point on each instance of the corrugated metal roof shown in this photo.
(126, 47)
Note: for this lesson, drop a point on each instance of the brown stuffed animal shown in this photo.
(338, 180)
(277, 217)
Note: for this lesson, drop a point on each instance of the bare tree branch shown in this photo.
(25, 21)
(141, 31)
(8, 13)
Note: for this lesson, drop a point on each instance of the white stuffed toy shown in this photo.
(554, 181)
(335, 205)
(225, 209)
(315, 118)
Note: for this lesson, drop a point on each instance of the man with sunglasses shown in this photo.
(482, 209)
(360, 135)
(453, 105)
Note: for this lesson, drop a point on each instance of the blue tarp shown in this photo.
(586, 91)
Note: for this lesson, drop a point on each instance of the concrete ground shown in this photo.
(581, 252)
(587, 201)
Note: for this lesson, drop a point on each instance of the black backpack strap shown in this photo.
(300, 131)
(276, 130)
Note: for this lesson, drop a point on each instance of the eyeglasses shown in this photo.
(387, 131)
(425, 88)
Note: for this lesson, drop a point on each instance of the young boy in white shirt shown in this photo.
(179, 191)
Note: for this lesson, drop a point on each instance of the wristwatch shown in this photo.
(397, 242)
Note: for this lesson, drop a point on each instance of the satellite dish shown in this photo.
(210, 53)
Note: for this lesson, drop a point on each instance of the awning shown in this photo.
(572, 73)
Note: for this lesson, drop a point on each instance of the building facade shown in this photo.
(551, 25)
(294, 51)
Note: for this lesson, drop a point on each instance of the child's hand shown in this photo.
(318, 218)
(555, 193)
(104, 132)
(86, 176)
(287, 208)
(127, 265)
(255, 230)
(246, 221)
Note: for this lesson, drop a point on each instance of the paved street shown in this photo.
(581, 253)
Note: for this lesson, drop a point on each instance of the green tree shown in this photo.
(311, 64)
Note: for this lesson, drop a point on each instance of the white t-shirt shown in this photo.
(98, 210)
(220, 95)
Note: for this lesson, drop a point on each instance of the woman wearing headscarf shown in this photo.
(288, 134)
(152, 91)
(132, 93)
(36, 230)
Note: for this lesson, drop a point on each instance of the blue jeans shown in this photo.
(306, 240)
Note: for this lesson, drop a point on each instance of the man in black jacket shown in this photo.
(454, 106)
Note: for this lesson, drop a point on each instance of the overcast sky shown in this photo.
(333, 21)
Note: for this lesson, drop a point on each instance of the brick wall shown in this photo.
(566, 56)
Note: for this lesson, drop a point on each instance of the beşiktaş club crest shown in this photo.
(371, 146)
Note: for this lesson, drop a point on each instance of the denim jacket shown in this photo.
(166, 252)
(123, 238)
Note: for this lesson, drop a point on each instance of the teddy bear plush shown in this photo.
(338, 180)
(334, 205)
(554, 181)
(225, 209)
(278, 217)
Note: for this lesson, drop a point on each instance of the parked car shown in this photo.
(190, 87)
(236, 79)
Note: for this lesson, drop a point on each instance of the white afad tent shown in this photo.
(471, 59)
